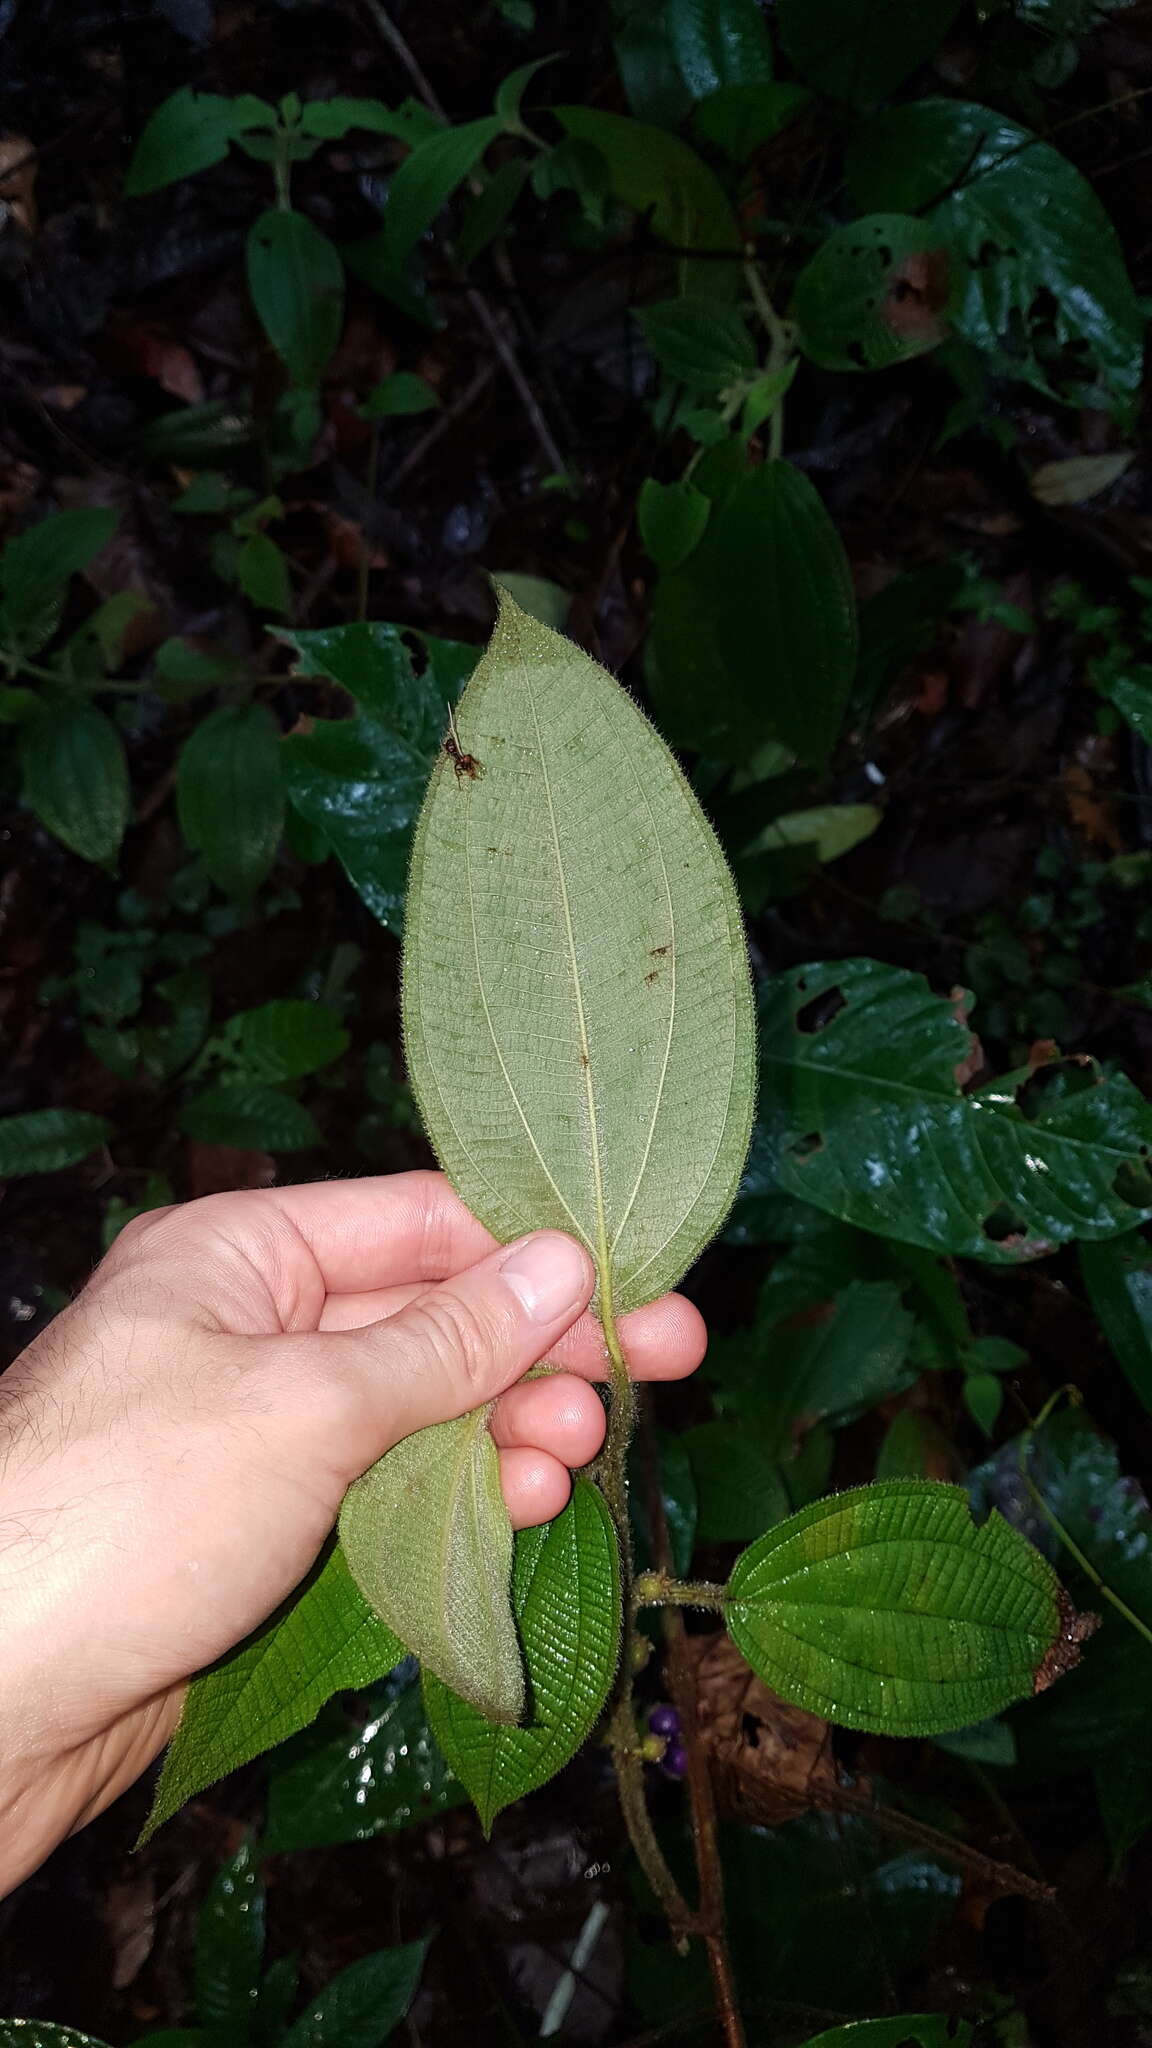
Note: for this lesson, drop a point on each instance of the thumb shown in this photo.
(460, 1343)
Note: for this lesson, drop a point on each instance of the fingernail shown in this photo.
(550, 1275)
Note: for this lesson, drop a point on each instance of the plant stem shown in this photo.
(779, 350)
(1057, 1526)
(657, 1589)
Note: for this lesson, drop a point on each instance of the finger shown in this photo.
(664, 1341)
(535, 1486)
(455, 1347)
(562, 1415)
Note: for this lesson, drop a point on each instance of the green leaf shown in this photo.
(1022, 216)
(830, 1361)
(863, 1110)
(230, 1945)
(859, 50)
(355, 1784)
(566, 1600)
(263, 575)
(326, 1639)
(754, 638)
(740, 1489)
(657, 174)
(333, 119)
(251, 1115)
(230, 795)
(1118, 1276)
(44, 1140)
(296, 280)
(699, 342)
(426, 180)
(887, 1608)
(360, 2006)
(491, 207)
(43, 2034)
(360, 781)
(740, 119)
(913, 2030)
(75, 778)
(286, 1038)
(833, 829)
(717, 43)
(187, 133)
(36, 566)
(428, 1541)
(537, 595)
(612, 1100)
(401, 393)
(672, 518)
(849, 302)
(510, 93)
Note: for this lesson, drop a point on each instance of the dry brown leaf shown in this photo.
(18, 168)
(917, 297)
(771, 1761)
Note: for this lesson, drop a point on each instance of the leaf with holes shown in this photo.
(887, 1608)
(296, 280)
(566, 1600)
(1025, 222)
(863, 1107)
(875, 293)
(859, 50)
(428, 1541)
(325, 1640)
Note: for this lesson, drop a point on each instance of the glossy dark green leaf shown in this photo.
(361, 781)
(401, 393)
(672, 518)
(649, 73)
(851, 304)
(911, 2030)
(740, 119)
(342, 1784)
(1026, 221)
(44, 1140)
(426, 180)
(754, 638)
(659, 175)
(1118, 1276)
(187, 133)
(859, 50)
(830, 1362)
(699, 342)
(718, 42)
(887, 1608)
(566, 1599)
(230, 1945)
(230, 795)
(288, 1037)
(863, 1106)
(35, 568)
(360, 2006)
(324, 1640)
(251, 1115)
(75, 778)
(296, 279)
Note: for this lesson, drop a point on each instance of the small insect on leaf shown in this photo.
(466, 765)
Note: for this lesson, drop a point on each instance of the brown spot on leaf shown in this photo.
(917, 297)
(1064, 1654)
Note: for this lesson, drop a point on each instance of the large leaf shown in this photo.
(426, 180)
(873, 294)
(36, 566)
(361, 780)
(755, 637)
(360, 2006)
(348, 1784)
(859, 49)
(296, 280)
(656, 174)
(44, 1140)
(1024, 218)
(230, 1945)
(1118, 1276)
(283, 1039)
(887, 1608)
(828, 1362)
(75, 778)
(230, 795)
(717, 43)
(186, 133)
(566, 1600)
(576, 1007)
(428, 1541)
(326, 1640)
(863, 1106)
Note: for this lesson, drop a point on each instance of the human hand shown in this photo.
(175, 1446)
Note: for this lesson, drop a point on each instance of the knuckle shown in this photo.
(462, 1334)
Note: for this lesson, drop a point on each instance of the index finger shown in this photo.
(380, 1231)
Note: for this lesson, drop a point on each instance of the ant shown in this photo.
(464, 764)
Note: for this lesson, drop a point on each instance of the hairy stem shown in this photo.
(656, 1589)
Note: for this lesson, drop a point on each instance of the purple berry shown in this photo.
(675, 1762)
(664, 1721)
